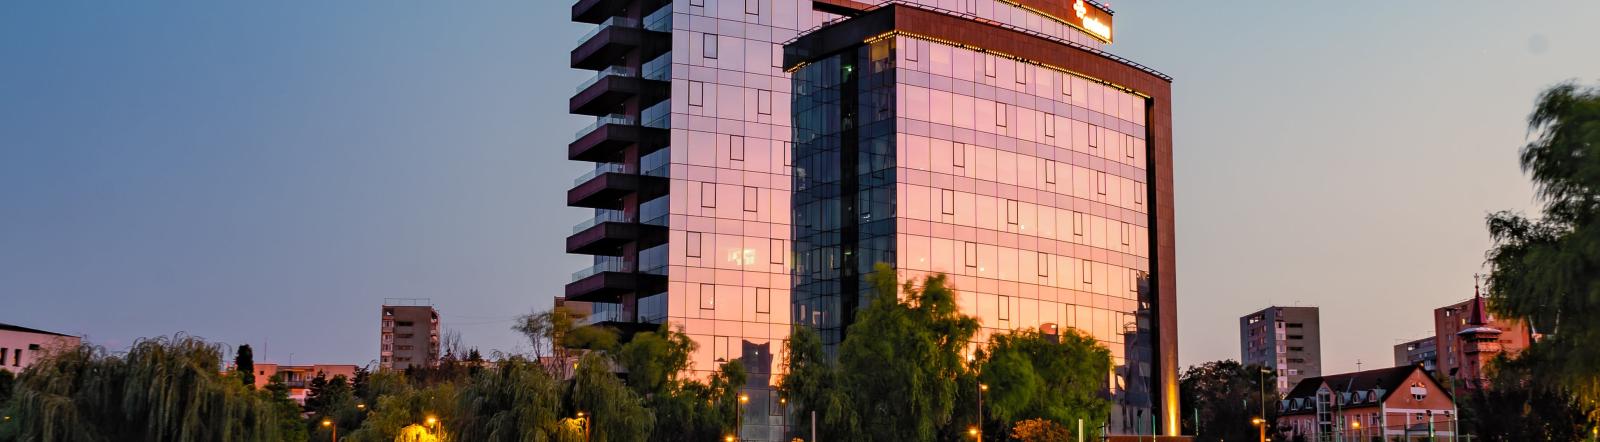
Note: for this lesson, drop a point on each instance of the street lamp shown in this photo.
(1260, 422)
(738, 422)
(585, 426)
(982, 387)
(329, 424)
(972, 431)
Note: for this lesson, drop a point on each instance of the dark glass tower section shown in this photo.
(844, 180)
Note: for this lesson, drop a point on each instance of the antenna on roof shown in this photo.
(1358, 365)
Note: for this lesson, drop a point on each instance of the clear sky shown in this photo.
(269, 173)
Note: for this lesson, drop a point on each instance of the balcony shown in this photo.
(605, 234)
(610, 281)
(596, 11)
(614, 86)
(604, 187)
(615, 38)
(607, 138)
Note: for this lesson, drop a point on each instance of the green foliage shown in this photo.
(617, 414)
(1548, 270)
(900, 355)
(1227, 395)
(1516, 407)
(517, 402)
(244, 362)
(161, 390)
(558, 340)
(1058, 381)
(684, 409)
(405, 406)
(900, 373)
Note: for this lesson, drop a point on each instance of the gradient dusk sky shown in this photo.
(268, 173)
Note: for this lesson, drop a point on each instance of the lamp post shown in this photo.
(981, 388)
(1262, 423)
(329, 424)
(585, 421)
(738, 422)
(433, 425)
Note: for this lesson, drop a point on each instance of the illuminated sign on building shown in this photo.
(1092, 19)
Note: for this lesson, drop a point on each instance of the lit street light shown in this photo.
(329, 424)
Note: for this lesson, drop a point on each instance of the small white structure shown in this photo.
(21, 346)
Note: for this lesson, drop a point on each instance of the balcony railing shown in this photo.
(601, 169)
(616, 265)
(608, 119)
(620, 71)
(622, 22)
(603, 216)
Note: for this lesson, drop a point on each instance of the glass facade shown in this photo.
(707, 218)
(1025, 184)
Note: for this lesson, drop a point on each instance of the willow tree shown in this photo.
(161, 390)
(1547, 270)
(657, 364)
(517, 401)
(615, 412)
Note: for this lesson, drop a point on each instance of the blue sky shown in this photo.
(269, 173)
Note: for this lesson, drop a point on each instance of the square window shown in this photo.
(778, 252)
(1022, 73)
(720, 348)
(1000, 114)
(1044, 264)
(1138, 193)
(1088, 273)
(764, 102)
(947, 201)
(709, 43)
(1049, 171)
(958, 155)
(697, 93)
(1011, 211)
(1004, 309)
(735, 148)
(1127, 233)
(763, 300)
(1077, 223)
(1101, 185)
(777, 55)
(692, 249)
(752, 7)
(1066, 85)
(700, 3)
(1094, 137)
(988, 65)
(708, 195)
(972, 254)
(1128, 146)
(751, 199)
(708, 296)
(1050, 125)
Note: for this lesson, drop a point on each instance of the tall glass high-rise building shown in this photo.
(690, 188)
(996, 142)
(699, 223)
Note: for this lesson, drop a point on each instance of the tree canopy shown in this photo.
(163, 389)
(1547, 270)
(902, 372)
(1225, 396)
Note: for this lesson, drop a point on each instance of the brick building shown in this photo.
(1399, 403)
